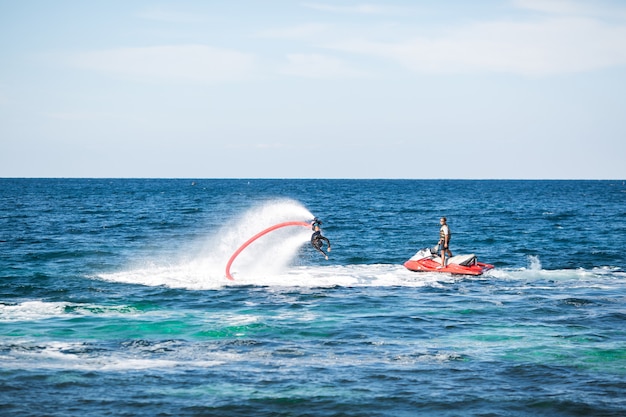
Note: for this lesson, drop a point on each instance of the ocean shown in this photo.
(114, 299)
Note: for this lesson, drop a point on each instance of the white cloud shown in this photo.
(358, 9)
(550, 6)
(551, 46)
(166, 15)
(275, 145)
(303, 31)
(87, 116)
(73, 116)
(181, 63)
(319, 66)
(573, 8)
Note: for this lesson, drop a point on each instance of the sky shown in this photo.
(485, 89)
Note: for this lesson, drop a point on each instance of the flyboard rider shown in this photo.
(317, 240)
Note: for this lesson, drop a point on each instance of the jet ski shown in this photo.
(427, 260)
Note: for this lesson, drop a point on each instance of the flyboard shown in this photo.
(426, 260)
(255, 237)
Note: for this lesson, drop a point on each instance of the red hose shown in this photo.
(255, 237)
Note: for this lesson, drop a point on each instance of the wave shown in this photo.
(193, 277)
(86, 356)
(35, 310)
(174, 355)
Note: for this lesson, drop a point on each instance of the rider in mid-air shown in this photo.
(317, 240)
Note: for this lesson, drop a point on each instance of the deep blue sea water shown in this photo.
(114, 301)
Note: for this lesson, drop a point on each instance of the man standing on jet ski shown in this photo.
(317, 240)
(444, 241)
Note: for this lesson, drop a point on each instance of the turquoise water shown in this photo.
(114, 301)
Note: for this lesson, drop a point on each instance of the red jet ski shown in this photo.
(425, 260)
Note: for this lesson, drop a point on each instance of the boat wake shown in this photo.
(193, 277)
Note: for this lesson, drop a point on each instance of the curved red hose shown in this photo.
(255, 237)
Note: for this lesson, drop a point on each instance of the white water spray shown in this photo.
(535, 263)
(204, 270)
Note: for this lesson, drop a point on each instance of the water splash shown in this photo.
(203, 267)
(534, 263)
